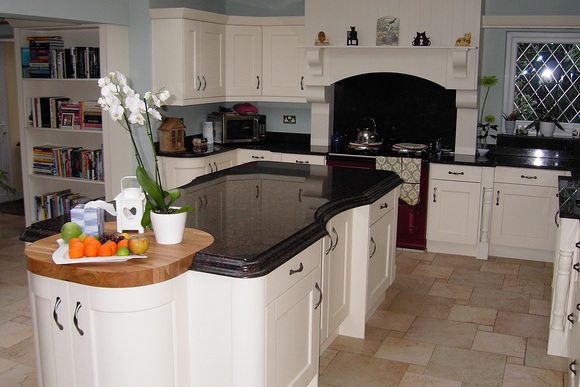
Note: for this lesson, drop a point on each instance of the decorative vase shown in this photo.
(547, 128)
(510, 127)
(168, 228)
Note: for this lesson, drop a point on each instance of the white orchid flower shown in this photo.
(154, 113)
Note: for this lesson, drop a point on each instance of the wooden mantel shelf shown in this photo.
(163, 262)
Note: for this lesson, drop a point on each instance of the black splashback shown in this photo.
(403, 106)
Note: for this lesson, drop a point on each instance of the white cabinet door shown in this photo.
(524, 216)
(381, 257)
(90, 336)
(284, 61)
(244, 64)
(212, 53)
(303, 159)
(247, 155)
(335, 273)
(453, 211)
(177, 171)
(220, 161)
(292, 328)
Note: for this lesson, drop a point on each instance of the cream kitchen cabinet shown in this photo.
(265, 330)
(246, 155)
(284, 61)
(189, 59)
(178, 171)
(336, 260)
(382, 250)
(90, 336)
(303, 159)
(244, 64)
(265, 62)
(524, 210)
(454, 209)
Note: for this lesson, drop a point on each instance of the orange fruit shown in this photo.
(89, 239)
(72, 241)
(91, 250)
(76, 251)
(113, 246)
(123, 242)
(105, 250)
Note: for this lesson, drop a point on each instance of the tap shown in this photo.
(374, 124)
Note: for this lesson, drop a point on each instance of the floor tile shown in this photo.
(539, 274)
(473, 314)
(444, 332)
(537, 356)
(519, 376)
(389, 320)
(501, 267)
(421, 304)
(461, 292)
(500, 343)
(478, 279)
(523, 286)
(541, 307)
(354, 370)
(12, 333)
(433, 271)
(408, 283)
(457, 262)
(415, 380)
(474, 367)
(500, 300)
(405, 351)
(367, 346)
(522, 324)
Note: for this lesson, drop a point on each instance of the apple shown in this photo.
(138, 244)
(70, 230)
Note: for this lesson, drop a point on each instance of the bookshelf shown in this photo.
(111, 42)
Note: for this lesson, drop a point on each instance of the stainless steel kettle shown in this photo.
(366, 136)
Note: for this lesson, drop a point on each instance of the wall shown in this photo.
(494, 40)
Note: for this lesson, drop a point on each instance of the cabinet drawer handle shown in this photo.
(578, 307)
(374, 248)
(257, 192)
(556, 219)
(55, 313)
(258, 85)
(572, 367)
(335, 243)
(258, 157)
(204, 82)
(205, 205)
(300, 195)
(320, 297)
(199, 82)
(329, 247)
(528, 177)
(456, 173)
(570, 318)
(215, 166)
(497, 199)
(384, 205)
(577, 267)
(76, 319)
(302, 162)
(292, 271)
(301, 83)
(434, 194)
(578, 245)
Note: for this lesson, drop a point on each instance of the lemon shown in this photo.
(123, 250)
(70, 230)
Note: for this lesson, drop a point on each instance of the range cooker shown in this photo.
(412, 219)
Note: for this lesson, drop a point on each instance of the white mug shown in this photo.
(207, 130)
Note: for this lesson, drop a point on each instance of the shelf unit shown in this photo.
(112, 139)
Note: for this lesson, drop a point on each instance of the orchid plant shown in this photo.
(134, 112)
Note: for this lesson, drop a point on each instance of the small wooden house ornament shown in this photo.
(171, 135)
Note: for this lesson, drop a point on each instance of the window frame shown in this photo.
(515, 37)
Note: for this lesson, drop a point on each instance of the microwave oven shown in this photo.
(238, 129)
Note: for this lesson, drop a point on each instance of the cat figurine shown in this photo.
(421, 39)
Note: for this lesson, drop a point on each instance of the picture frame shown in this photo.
(68, 120)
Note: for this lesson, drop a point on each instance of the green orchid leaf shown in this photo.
(183, 209)
(150, 187)
(146, 219)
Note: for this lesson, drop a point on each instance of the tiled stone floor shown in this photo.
(450, 320)
(446, 321)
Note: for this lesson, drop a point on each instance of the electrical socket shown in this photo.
(287, 119)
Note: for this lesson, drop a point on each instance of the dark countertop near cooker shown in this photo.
(296, 202)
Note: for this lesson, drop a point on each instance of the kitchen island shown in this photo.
(299, 251)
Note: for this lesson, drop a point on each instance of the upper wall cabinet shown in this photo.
(203, 57)
(189, 59)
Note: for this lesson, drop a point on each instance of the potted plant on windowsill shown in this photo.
(134, 114)
(485, 125)
(510, 121)
(546, 123)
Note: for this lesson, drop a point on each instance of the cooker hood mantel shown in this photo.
(450, 67)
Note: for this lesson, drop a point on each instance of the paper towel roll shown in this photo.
(207, 130)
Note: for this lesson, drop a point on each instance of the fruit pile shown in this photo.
(104, 245)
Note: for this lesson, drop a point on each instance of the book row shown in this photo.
(61, 112)
(53, 204)
(66, 161)
(46, 57)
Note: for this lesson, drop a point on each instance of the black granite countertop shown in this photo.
(295, 202)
